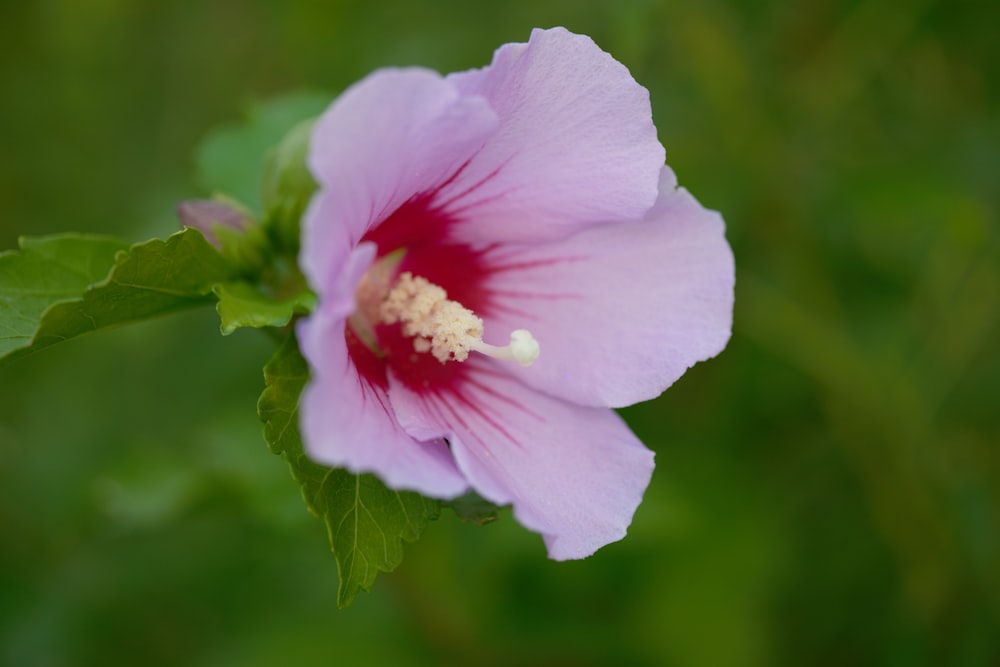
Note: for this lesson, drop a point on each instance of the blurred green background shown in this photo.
(827, 491)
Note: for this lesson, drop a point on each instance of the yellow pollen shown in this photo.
(446, 328)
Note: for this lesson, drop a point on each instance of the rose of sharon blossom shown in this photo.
(501, 257)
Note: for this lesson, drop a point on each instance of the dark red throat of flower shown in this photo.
(414, 239)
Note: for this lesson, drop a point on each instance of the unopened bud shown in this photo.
(206, 215)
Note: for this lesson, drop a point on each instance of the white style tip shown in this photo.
(523, 347)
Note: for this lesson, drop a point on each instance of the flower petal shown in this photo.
(620, 310)
(396, 133)
(346, 420)
(572, 473)
(576, 143)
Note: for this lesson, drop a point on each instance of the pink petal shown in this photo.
(576, 143)
(572, 473)
(347, 421)
(394, 134)
(620, 310)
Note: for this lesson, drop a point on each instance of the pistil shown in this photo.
(446, 328)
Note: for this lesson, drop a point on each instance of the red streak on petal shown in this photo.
(449, 203)
(498, 265)
(503, 398)
(466, 396)
(463, 404)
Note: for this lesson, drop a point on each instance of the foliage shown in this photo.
(53, 292)
(366, 521)
(45, 272)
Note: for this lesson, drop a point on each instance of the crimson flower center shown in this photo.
(437, 325)
(419, 305)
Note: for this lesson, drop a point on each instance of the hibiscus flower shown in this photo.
(500, 258)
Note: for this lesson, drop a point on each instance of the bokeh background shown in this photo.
(827, 490)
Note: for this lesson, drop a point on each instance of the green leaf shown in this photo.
(366, 521)
(44, 272)
(243, 305)
(473, 508)
(54, 289)
(232, 159)
(285, 375)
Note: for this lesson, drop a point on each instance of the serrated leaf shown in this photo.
(146, 280)
(285, 375)
(244, 305)
(366, 521)
(232, 159)
(44, 272)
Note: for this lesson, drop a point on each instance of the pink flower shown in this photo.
(527, 195)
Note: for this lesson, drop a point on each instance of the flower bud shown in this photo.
(207, 215)
(228, 227)
(288, 185)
